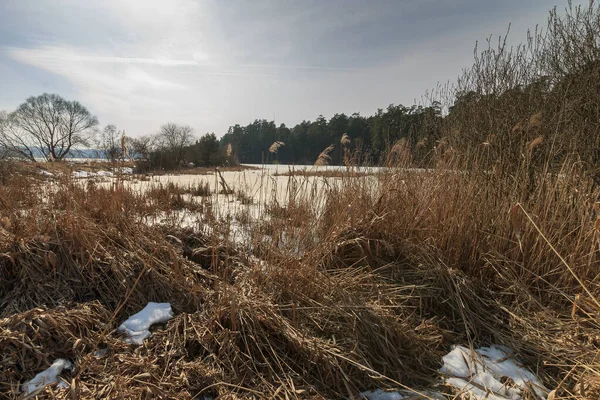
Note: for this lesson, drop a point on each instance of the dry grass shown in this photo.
(76, 261)
(346, 285)
(200, 189)
(169, 196)
(369, 290)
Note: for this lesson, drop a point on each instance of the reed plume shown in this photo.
(345, 140)
(275, 147)
(324, 157)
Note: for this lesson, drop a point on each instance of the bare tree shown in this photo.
(141, 147)
(3, 119)
(174, 139)
(110, 142)
(46, 125)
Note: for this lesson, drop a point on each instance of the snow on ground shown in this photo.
(83, 174)
(137, 326)
(92, 174)
(381, 395)
(46, 173)
(479, 375)
(103, 174)
(48, 376)
(100, 353)
(483, 371)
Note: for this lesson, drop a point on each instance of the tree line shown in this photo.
(48, 127)
(535, 104)
(374, 137)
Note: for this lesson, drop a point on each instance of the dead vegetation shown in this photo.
(347, 287)
(370, 292)
(75, 262)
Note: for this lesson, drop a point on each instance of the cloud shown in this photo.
(89, 70)
(111, 84)
(211, 64)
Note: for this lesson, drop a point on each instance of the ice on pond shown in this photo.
(137, 327)
(47, 376)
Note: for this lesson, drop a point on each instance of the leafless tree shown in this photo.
(110, 142)
(46, 125)
(174, 139)
(3, 118)
(141, 147)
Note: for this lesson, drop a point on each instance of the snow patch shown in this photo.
(92, 174)
(482, 372)
(100, 353)
(380, 394)
(46, 173)
(47, 376)
(137, 326)
(104, 173)
(82, 174)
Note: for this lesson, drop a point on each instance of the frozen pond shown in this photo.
(251, 189)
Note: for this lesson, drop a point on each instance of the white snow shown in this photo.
(92, 174)
(46, 173)
(137, 326)
(478, 374)
(381, 395)
(100, 353)
(82, 174)
(48, 376)
(482, 371)
(104, 173)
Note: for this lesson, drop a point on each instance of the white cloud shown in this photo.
(112, 85)
(212, 64)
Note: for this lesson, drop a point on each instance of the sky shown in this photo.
(212, 64)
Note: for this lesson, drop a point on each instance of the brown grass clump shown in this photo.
(361, 283)
(169, 196)
(200, 189)
(535, 142)
(79, 260)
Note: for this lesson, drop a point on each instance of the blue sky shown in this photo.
(214, 63)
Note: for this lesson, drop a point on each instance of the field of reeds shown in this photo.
(324, 286)
(369, 289)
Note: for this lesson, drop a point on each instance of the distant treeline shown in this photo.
(372, 136)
